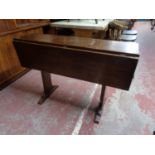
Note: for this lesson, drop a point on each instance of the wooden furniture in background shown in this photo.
(9, 63)
(109, 63)
(83, 27)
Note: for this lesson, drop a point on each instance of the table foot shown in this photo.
(47, 94)
(98, 113)
(98, 110)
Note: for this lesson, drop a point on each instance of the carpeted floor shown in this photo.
(66, 111)
(131, 112)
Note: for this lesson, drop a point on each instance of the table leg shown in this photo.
(98, 110)
(48, 87)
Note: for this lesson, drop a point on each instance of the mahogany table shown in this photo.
(109, 63)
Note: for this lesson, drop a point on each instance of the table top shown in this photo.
(82, 24)
(93, 45)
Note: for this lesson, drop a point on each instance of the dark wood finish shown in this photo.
(93, 45)
(98, 110)
(109, 63)
(48, 87)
